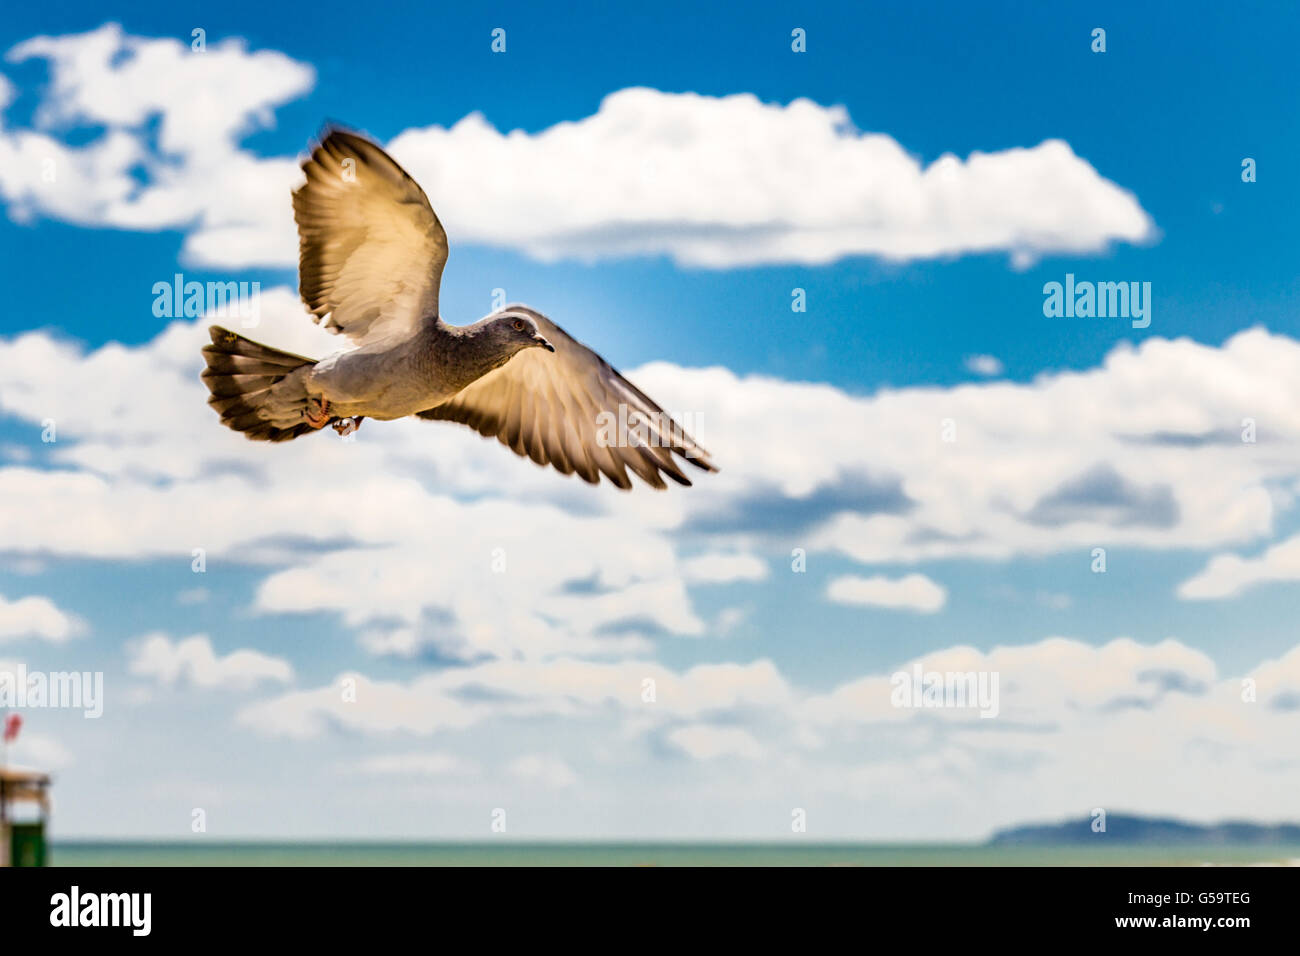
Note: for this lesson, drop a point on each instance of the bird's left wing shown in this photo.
(574, 411)
(371, 249)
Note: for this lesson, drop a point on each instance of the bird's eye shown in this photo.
(519, 325)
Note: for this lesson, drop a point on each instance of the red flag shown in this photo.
(13, 722)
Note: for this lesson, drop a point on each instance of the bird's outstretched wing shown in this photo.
(574, 411)
(371, 249)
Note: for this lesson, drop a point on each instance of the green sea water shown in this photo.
(651, 854)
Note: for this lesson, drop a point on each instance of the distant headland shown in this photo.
(1148, 830)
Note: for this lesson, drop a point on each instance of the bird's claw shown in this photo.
(321, 416)
(346, 426)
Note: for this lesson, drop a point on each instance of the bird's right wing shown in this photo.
(574, 411)
(371, 249)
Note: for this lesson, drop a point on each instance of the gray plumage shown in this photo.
(371, 255)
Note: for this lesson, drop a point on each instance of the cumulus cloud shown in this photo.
(731, 181)
(192, 662)
(415, 512)
(416, 764)
(41, 751)
(707, 742)
(1049, 751)
(1277, 683)
(988, 366)
(36, 616)
(544, 769)
(1153, 463)
(710, 181)
(108, 77)
(462, 697)
(1041, 683)
(913, 592)
(723, 568)
(191, 174)
(1228, 575)
(193, 596)
(1063, 704)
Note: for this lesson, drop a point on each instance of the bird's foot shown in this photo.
(317, 412)
(346, 426)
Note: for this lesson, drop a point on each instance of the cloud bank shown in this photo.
(714, 182)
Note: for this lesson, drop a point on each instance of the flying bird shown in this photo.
(371, 255)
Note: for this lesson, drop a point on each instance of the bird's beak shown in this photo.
(543, 343)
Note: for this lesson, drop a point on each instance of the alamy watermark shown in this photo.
(62, 690)
(217, 300)
(129, 910)
(1103, 300)
(946, 689)
(632, 427)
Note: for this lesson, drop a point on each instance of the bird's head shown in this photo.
(516, 331)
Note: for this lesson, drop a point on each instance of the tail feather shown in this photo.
(241, 375)
(227, 386)
(225, 363)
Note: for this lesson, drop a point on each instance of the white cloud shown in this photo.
(193, 596)
(141, 472)
(1054, 600)
(1277, 682)
(1049, 752)
(1039, 684)
(139, 479)
(194, 177)
(39, 752)
(437, 701)
(205, 99)
(192, 662)
(989, 366)
(710, 181)
(417, 764)
(1228, 575)
(36, 616)
(410, 599)
(728, 619)
(707, 742)
(728, 181)
(913, 592)
(547, 770)
(1140, 452)
(723, 568)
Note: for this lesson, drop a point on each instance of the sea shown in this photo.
(205, 853)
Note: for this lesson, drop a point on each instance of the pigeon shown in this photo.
(371, 255)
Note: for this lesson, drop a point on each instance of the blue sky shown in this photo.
(824, 422)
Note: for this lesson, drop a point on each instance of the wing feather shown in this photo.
(551, 407)
(371, 249)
